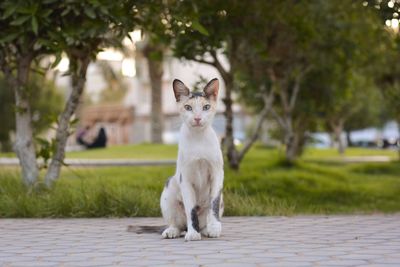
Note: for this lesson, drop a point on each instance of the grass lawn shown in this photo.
(142, 151)
(263, 186)
(331, 154)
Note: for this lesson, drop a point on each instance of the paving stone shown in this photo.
(380, 265)
(339, 262)
(229, 264)
(33, 264)
(269, 241)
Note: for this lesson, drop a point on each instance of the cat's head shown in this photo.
(197, 109)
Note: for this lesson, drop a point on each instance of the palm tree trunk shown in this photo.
(154, 54)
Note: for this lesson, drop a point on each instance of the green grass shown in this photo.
(263, 186)
(332, 154)
(142, 151)
(7, 154)
(151, 151)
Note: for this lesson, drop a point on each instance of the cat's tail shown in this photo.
(146, 229)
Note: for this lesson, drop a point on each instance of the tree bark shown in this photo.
(268, 101)
(288, 99)
(290, 145)
(228, 144)
(231, 152)
(78, 68)
(338, 130)
(155, 67)
(24, 144)
(348, 138)
(398, 140)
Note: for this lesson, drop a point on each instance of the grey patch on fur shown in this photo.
(216, 204)
(195, 218)
(197, 94)
(167, 182)
(146, 229)
(180, 178)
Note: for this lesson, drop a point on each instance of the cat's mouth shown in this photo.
(197, 124)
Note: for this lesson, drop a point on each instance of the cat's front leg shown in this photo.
(214, 226)
(191, 209)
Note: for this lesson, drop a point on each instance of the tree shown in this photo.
(217, 31)
(154, 53)
(346, 61)
(31, 29)
(390, 87)
(311, 60)
(46, 101)
(390, 78)
(161, 22)
(275, 58)
(153, 47)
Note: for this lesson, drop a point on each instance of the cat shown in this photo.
(192, 200)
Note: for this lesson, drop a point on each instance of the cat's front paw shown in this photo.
(192, 235)
(214, 229)
(171, 232)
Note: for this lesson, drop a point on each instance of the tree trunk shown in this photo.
(78, 68)
(24, 144)
(229, 142)
(300, 142)
(291, 147)
(348, 138)
(398, 140)
(154, 55)
(268, 100)
(338, 130)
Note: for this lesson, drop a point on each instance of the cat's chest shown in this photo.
(195, 151)
(199, 146)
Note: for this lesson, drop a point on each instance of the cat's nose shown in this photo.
(197, 120)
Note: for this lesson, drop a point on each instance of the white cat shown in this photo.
(192, 199)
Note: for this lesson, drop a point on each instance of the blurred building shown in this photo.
(115, 119)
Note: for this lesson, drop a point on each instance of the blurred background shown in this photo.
(301, 82)
(342, 55)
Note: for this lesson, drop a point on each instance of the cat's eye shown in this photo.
(187, 107)
(206, 107)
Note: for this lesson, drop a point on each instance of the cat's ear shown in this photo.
(211, 89)
(180, 89)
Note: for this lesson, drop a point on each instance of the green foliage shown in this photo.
(346, 61)
(263, 186)
(32, 29)
(385, 10)
(46, 102)
(6, 115)
(208, 32)
(389, 80)
(162, 21)
(54, 26)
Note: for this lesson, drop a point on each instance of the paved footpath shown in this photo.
(246, 241)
